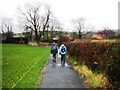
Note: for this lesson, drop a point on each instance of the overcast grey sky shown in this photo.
(98, 13)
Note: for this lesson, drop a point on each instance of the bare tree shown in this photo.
(79, 25)
(7, 28)
(33, 20)
(55, 26)
(108, 33)
(45, 20)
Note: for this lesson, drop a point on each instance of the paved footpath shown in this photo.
(60, 77)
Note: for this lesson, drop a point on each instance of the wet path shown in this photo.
(60, 77)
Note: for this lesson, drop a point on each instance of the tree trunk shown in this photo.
(79, 34)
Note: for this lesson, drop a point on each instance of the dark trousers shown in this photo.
(54, 56)
(62, 57)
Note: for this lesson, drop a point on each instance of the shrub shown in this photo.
(63, 38)
(98, 56)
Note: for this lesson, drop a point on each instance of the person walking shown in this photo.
(54, 51)
(62, 52)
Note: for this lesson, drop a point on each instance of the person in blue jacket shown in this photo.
(62, 52)
(54, 51)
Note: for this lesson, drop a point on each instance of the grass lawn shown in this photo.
(22, 61)
(0, 66)
(106, 40)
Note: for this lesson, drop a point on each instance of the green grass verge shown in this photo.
(106, 40)
(17, 60)
(0, 66)
(95, 80)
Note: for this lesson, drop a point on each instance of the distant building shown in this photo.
(20, 38)
(94, 36)
(19, 35)
(98, 36)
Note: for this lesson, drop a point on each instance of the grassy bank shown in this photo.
(106, 40)
(94, 79)
(21, 65)
(0, 66)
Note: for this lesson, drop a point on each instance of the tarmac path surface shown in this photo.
(60, 77)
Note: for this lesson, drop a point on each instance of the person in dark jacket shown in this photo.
(54, 51)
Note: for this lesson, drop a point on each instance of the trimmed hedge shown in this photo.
(16, 40)
(99, 56)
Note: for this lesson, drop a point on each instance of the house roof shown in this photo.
(98, 36)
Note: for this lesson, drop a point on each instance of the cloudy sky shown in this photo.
(98, 13)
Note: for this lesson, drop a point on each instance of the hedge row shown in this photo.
(98, 56)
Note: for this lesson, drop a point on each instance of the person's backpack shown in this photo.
(53, 47)
(62, 49)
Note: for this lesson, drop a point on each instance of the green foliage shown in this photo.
(17, 60)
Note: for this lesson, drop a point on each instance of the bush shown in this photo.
(63, 38)
(47, 40)
(103, 57)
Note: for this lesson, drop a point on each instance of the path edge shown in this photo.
(41, 75)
